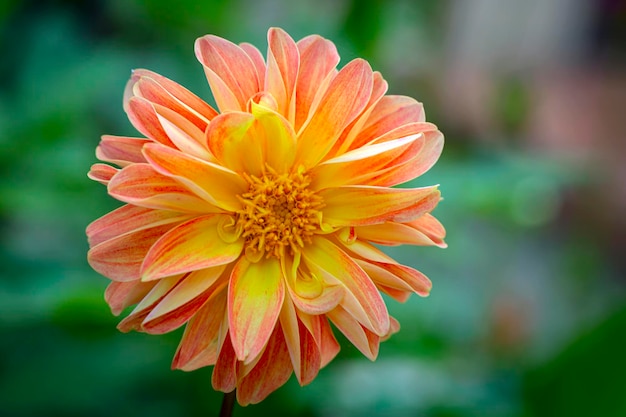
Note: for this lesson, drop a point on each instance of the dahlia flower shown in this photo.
(256, 225)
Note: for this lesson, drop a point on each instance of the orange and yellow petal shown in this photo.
(343, 144)
(413, 165)
(179, 305)
(361, 165)
(212, 182)
(389, 113)
(231, 138)
(363, 205)
(255, 298)
(193, 245)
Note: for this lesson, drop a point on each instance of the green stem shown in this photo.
(228, 403)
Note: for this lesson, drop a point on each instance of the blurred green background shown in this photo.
(527, 316)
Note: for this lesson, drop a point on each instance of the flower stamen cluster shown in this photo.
(280, 213)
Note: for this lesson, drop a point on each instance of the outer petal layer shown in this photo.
(356, 206)
(120, 258)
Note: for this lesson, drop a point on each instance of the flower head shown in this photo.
(254, 226)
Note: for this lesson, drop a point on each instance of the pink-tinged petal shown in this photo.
(423, 231)
(401, 296)
(165, 92)
(231, 138)
(328, 345)
(199, 344)
(322, 333)
(291, 332)
(415, 166)
(206, 357)
(230, 71)
(224, 376)
(184, 134)
(283, 61)
(129, 218)
(120, 258)
(120, 295)
(363, 339)
(257, 58)
(311, 360)
(389, 113)
(363, 205)
(102, 173)
(430, 227)
(255, 298)
(361, 297)
(347, 95)
(349, 134)
(191, 246)
(185, 300)
(141, 185)
(121, 150)
(214, 183)
(142, 115)
(278, 136)
(393, 329)
(270, 372)
(136, 317)
(397, 276)
(359, 165)
(304, 350)
(318, 59)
